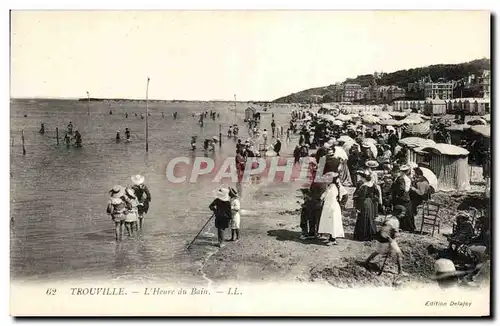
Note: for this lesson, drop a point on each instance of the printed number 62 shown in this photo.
(50, 292)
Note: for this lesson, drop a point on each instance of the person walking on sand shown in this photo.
(330, 222)
(264, 136)
(132, 214)
(235, 215)
(277, 147)
(401, 196)
(386, 242)
(117, 208)
(366, 202)
(221, 207)
(118, 138)
(143, 195)
(42, 129)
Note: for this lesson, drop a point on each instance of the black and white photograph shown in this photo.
(250, 163)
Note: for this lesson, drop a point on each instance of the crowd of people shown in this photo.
(384, 182)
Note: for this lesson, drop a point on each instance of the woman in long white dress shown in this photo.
(331, 215)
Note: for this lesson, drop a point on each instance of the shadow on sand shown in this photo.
(287, 235)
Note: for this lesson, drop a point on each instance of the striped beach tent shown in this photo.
(450, 165)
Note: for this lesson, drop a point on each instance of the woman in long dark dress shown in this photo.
(221, 207)
(366, 202)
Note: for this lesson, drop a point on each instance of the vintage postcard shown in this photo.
(250, 163)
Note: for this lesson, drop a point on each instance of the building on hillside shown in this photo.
(419, 85)
(443, 90)
(390, 93)
(486, 83)
(350, 92)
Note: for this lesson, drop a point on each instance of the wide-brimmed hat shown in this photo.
(137, 179)
(390, 128)
(372, 164)
(363, 173)
(404, 168)
(233, 192)
(365, 145)
(222, 194)
(333, 142)
(117, 191)
(445, 268)
(330, 152)
(130, 192)
(327, 145)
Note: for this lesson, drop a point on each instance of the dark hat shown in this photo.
(233, 192)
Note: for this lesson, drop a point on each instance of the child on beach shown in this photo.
(235, 215)
(132, 214)
(386, 240)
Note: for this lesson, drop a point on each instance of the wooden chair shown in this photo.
(430, 216)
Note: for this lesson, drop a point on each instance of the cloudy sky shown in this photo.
(205, 55)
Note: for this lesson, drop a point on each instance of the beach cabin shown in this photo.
(450, 165)
(411, 144)
(249, 113)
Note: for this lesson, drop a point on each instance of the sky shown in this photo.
(212, 55)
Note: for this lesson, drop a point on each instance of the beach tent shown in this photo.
(450, 165)
(413, 143)
(418, 130)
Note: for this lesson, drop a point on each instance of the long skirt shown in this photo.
(365, 228)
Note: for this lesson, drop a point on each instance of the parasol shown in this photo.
(486, 117)
(345, 139)
(431, 177)
(384, 115)
(338, 123)
(477, 122)
(343, 117)
(370, 119)
(340, 153)
(371, 141)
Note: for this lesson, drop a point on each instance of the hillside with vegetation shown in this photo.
(399, 78)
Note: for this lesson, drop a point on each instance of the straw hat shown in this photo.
(330, 152)
(233, 192)
(222, 194)
(365, 145)
(390, 128)
(117, 191)
(131, 192)
(445, 268)
(372, 164)
(404, 168)
(137, 179)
